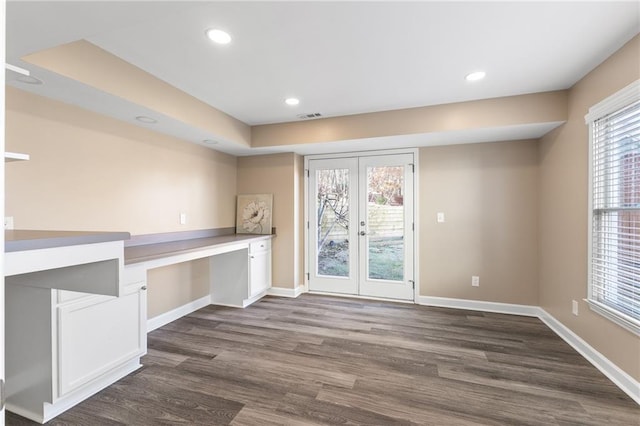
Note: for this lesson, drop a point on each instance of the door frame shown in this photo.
(416, 203)
(3, 5)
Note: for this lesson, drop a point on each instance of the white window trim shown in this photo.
(615, 102)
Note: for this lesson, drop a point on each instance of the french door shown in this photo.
(361, 225)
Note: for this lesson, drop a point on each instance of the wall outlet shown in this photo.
(8, 222)
(183, 218)
(440, 217)
(475, 281)
(574, 307)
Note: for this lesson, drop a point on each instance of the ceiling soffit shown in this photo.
(90, 65)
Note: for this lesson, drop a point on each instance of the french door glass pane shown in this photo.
(385, 222)
(332, 207)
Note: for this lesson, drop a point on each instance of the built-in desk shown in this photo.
(72, 326)
(190, 249)
(76, 313)
(240, 265)
(64, 259)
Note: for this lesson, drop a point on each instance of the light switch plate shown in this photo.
(8, 222)
(475, 281)
(440, 217)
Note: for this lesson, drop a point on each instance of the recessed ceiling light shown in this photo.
(292, 101)
(218, 36)
(28, 79)
(145, 119)
(475, 76)
(210, 142)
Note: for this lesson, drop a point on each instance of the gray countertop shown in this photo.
(147, 252)
(21, 240)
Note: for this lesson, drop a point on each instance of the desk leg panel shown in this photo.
(229, 277)
(29, 362)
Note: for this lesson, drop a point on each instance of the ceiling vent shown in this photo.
(308, 116)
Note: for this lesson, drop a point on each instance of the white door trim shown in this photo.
(416, 203)
(3, 5)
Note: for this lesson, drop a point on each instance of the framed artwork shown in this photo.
(254, 214)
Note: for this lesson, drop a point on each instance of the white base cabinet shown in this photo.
(241, 277)
(259, 267)
(64, 346)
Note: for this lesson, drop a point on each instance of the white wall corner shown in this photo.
(286, 292)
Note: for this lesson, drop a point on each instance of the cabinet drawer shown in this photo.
(260, 246)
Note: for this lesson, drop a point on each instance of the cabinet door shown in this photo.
(260, 272)
(97, 334)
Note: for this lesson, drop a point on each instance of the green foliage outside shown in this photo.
(386, 259)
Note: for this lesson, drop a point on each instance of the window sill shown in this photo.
(626, 323)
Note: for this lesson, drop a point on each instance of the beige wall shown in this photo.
(563, 213)
(176, 285)
(489, 194)
(548, 107)
(95, 67)
(90, 172)
(275, 174)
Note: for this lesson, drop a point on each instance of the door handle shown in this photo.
(363, 233)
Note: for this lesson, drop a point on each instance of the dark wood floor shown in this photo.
(325, 360)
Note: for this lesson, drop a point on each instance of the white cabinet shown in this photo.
(63, 346)
(240, 277)
(97, 334)
(259, 267)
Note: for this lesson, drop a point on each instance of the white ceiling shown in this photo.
(338, 58)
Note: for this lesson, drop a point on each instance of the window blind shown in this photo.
(615, 212)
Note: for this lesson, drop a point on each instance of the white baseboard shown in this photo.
(48, 411)
(251, 300)
(286, 292)
(357, 296)
(478, 305)
(167, 317)
(625, 382)
(27, 414)
(179, 312)
(628, 384)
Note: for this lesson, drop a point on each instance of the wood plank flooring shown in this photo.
(326, 360)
